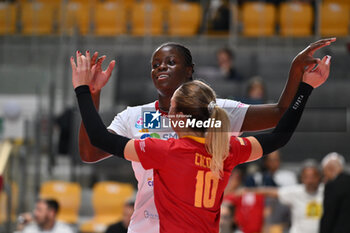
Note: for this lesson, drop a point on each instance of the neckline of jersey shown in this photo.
(197, 139)
(160, 110)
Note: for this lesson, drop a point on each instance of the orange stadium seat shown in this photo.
(7, 18)
(184, 19)
(53, 2)
(334, 19)
(146, 19)
(110, 18)
(67, 194)
(162, 3)
(296, 19)
(75, 16)
(108, 199)
(258, 19)
(37, 18)
(91, 2)
(126, 3)
(344, 2)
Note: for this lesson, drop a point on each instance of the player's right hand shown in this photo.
(305, 58)
(315, 77)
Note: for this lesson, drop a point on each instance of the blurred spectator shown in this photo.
(44, 217)
(65, 123)
(256, 91)
(249, 207)
(226, 218)
(226, 62)
(122, 226)
(271, 175)
(277, 215)
(304, 200)
(336, 205)
(219, 16)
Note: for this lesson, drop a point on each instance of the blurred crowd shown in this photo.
(271, 199)
(265, 199)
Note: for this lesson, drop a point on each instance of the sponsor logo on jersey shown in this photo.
(142, 146)
(150, 215)
(152, 135)
(150, 181)
(139, 123)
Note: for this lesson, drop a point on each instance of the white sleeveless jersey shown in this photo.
(129, 123)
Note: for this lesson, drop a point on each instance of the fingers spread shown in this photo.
(110, 68)
(327, 59)
(84, 62)
(79, 60)
(101, 59)
(88, 60)
(309, 68)
(93, 58)
(72, 62)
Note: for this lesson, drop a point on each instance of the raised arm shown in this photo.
(266, 143)
(265, 116)
(96, 131)
(89, 153)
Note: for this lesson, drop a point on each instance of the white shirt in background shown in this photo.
(306, 209)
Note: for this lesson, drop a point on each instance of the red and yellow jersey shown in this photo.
(187, 196)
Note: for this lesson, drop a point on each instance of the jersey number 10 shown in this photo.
(208, 184)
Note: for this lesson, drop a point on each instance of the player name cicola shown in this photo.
(192, 123)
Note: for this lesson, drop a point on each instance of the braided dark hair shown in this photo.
(185, 52)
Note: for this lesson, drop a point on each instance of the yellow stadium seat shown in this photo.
(344, 2)
(75, 16)
(67, 194)
(7, 18)
(162, 3)
(37, 18)
(258, 19)
(53, 2)
(296, 19)
(108, 199)
(91, 2)
(127, 3)
(110, 19)
(4, 204)
(146, 19)
(184, 19)
(334, 19)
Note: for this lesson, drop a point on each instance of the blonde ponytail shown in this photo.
(197, 99)
(217, 141)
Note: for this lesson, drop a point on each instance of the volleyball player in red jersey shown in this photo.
(190, 173)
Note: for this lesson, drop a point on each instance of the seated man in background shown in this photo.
(44, 216)
(122, 226)
(304, 200)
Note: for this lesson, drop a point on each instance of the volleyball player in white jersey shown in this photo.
(172, 66)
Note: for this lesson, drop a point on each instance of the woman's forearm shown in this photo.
(98, 134)
(288, 123)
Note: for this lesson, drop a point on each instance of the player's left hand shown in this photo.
(82, 73)
(316, 76)
(100, 77)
